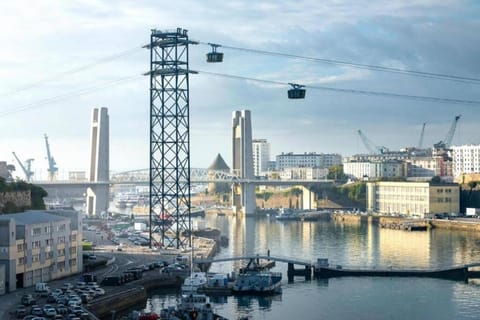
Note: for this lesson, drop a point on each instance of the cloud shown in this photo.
(46, 38)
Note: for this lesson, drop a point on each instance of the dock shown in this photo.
(455, 273)
(406, 226)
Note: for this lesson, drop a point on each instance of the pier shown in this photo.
(322, 269)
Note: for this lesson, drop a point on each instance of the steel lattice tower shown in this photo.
(169, 137)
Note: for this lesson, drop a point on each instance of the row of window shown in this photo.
(48, 242)
(48, 255)
(48, 229)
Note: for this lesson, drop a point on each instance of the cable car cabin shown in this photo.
(214, 56)
(296, 93)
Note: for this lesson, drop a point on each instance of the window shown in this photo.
(48, 229)
(73, 262)
(61, 265)
(73, 250)
(36, 244)
(36, 232)
(20, 247)
(49, 255)
(35, 257)
(61, 252)
(48, 242)
(73, 237)
(21, 261)
(61, 239)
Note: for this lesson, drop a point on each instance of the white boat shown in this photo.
(193, 282)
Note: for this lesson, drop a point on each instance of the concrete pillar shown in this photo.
(243, 195)
(308, 199)
(97, 196)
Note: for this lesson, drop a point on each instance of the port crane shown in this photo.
(371, 147)
(445, 143)
(27, 167)
(52, 169)
(422, 133)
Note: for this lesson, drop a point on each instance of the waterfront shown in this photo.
(356, 245)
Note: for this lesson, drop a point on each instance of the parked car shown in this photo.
(27, 300)
(20, 311)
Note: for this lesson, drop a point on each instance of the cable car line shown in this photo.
(68, 95)
(352, 91)
(71, 71)
(423, 74)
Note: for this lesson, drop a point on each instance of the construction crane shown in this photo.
(420, 142)
(371, 147)
(52, 169)
(445, 143)
(27, 167)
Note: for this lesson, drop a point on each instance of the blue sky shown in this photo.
(42, 39)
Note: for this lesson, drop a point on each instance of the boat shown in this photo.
(192, 306)
(255, 279)
(217, 284)
(287, 214)
(193, 282)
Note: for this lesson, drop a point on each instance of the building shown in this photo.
(413, 198)
(261, 156)
(243, 194)
(310, 160)
(374, 169)
(38, 246)
(218, 167)
(466, 159)
(303, 173)
(4, 173)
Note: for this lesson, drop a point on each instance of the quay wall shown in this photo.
(473, 225)
(126, 296)
(455, 225)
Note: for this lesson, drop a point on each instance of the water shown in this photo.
(355, 245)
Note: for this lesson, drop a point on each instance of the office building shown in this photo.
(422, 199)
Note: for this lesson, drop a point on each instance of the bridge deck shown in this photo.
(264, 257)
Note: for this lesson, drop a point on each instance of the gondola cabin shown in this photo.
(296, 92)
(214, 56)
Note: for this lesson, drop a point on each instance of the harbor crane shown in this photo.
(26, 168)
(445, 143)
(371, 147)
(422, 133)
(52, 169)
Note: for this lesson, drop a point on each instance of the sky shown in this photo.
(59, 59)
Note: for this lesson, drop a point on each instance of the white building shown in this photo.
(303, 173)
(374, 170)
(466, 159)
(310, 160)
(261, 156)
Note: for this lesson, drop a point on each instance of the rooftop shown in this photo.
(32, 217)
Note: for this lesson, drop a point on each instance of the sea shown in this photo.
(356, 245)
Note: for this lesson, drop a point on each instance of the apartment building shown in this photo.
(38, 246)
(311, 160)
(466, 159)
(413, 198)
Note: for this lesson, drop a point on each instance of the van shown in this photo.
(42, 288)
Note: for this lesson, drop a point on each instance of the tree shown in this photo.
(336, 173)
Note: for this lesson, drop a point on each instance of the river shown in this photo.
(350, 245)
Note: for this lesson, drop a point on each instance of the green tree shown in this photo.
(336, 173)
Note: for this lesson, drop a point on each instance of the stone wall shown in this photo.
(21, 199)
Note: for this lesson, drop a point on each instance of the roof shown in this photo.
(218, 164)
(32, 217)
